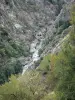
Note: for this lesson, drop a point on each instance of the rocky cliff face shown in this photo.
(23, 21)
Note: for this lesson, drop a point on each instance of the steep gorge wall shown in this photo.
(21, 22)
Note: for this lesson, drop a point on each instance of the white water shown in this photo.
(17, 25)
(26, 67)
(35, 46)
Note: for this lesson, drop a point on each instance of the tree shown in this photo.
(13, 90)
(65, 66)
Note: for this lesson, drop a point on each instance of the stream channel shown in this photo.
(34, 49)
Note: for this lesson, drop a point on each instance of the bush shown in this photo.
(45, 63)
(8, 69)
(9, 49)
(62, 26)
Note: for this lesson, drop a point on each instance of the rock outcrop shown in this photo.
(25, 21)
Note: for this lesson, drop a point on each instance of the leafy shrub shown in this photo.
(45, 63)
(8, 69)
(62, 26)
(9, 49)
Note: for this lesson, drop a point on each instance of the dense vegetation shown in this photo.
(54, 79)
(10, 51)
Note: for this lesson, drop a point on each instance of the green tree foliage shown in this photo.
(10, 68)
(14, 91)
(65, 67)
(10, 51)
(31, 86)
(45, 64)
(65, 73)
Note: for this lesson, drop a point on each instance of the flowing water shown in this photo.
(34, 49)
